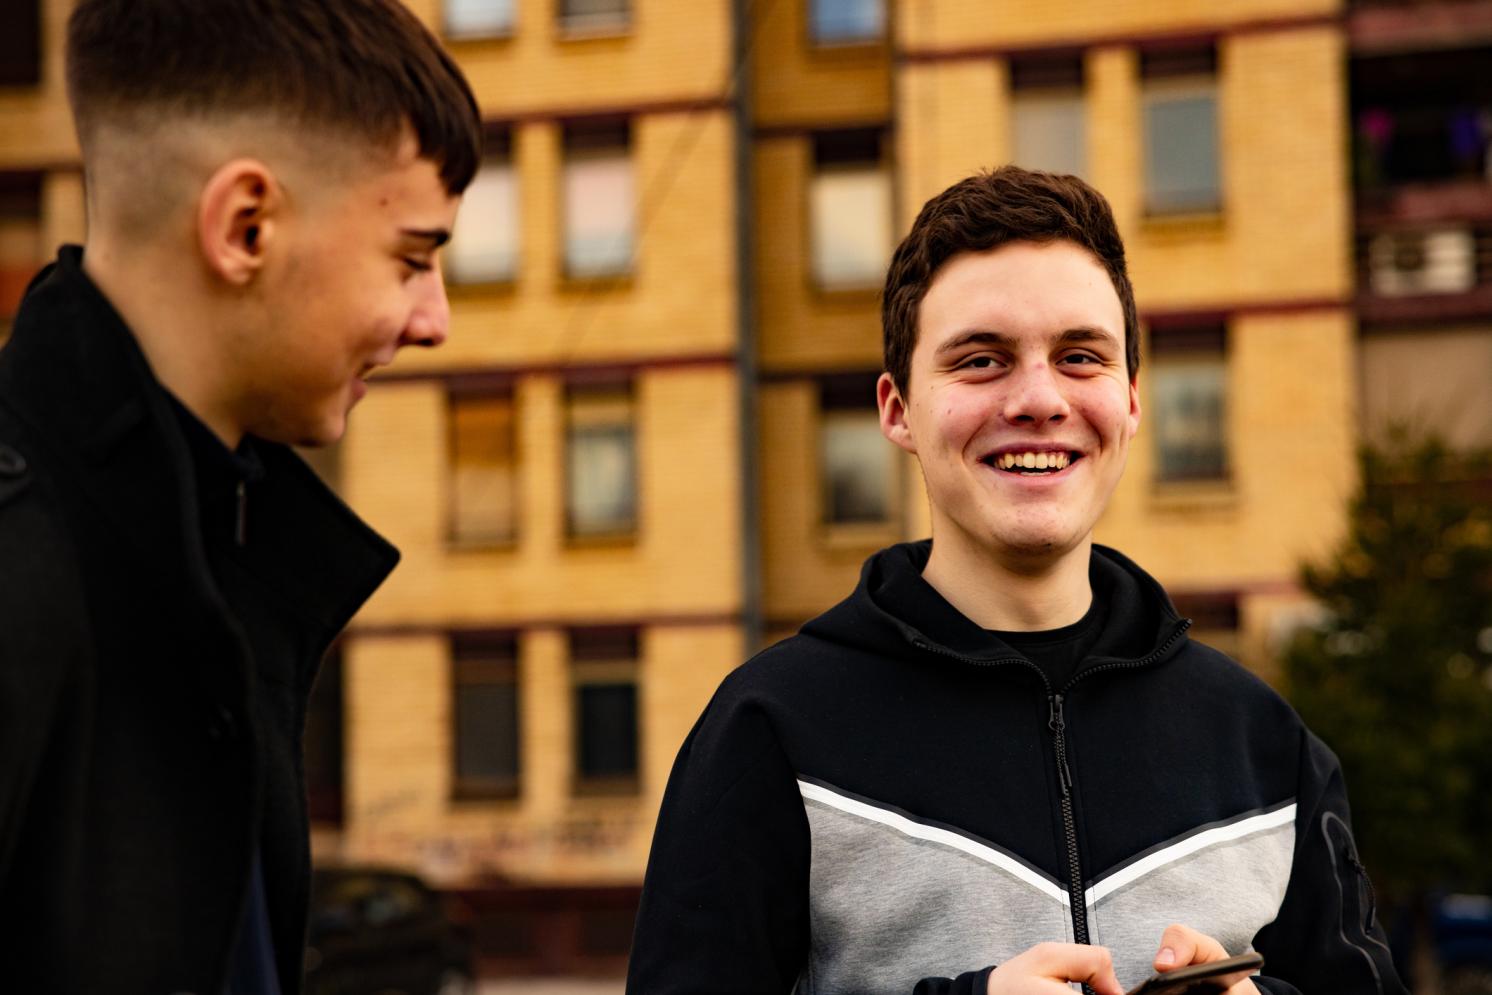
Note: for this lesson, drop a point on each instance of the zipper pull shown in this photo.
(1057, 724)
(241, 519)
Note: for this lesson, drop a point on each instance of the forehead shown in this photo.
(393, 187)
(1020, 289)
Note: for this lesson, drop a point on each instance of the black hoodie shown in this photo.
(870, 806)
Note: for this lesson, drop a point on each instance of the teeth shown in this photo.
(1033, 461)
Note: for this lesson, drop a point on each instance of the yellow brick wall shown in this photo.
(953, 24)
(399, 725)
(1284, 231)
(954, 120)
(670, 51)
(1283, 158)
(1291, 435)
(795, 81)
(680, 298)
(808, 566)
(36, 128)
(687, 555)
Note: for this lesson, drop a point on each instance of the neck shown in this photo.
(1012, 595)
(150, 292)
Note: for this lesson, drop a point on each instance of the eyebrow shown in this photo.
(435, 236)
(981, 336)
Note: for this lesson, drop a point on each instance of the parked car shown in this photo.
(1462, 927)
(374, 931)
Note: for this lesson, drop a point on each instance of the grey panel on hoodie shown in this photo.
(890, 906)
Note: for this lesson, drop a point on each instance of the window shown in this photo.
(599, 201)
(858, 464)
(600, 462)
(1188, 388)
(594, 15)
(838, 21)
(850, 209)
(20, 43)
(478, 18)
(485, 668)
(1047, 113)
(1181, 140)
(484, 467)
(604, 669)
(20, 240)
(484, 245)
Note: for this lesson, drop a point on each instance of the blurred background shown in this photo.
(650, 446)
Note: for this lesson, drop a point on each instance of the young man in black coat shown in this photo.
(1000, 766)
(268, 182)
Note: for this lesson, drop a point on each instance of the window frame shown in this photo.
(456, 34)
(570, 25)
(1170, 74)
(484, 659)
(817, 41)
(498, 149)
(604, 656)
(841, 151)
(625, 389)
(486, 389)
(581, 140)
(1201, 340)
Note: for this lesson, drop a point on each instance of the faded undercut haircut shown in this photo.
(983, 212)
(361, 68)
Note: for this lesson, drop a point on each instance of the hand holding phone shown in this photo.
(1198, 977)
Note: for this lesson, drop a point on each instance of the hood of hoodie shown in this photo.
(1141, 624)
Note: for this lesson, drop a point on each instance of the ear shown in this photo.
(237, 218)
(1134, 405)
(893, 414)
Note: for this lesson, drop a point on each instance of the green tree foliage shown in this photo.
(1397, 679)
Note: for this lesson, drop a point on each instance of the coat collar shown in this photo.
(75, 374)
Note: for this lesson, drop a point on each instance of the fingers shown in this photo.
(1181, 945)
(1058, 963)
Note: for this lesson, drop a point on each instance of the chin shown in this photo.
(1035, 544)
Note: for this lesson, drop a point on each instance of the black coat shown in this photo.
(143, 750)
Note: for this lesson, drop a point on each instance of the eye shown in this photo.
(978, 363)
(1082, 359)
(418, 265)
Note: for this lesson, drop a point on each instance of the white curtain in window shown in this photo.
(1049, 132)
(599, 213)
(478, 17)
(851, 217)
(484, 245)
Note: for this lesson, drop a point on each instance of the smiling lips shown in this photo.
(1033, 461)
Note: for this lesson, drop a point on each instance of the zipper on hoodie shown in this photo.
(1057, 723)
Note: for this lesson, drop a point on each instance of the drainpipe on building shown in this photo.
(746, 368)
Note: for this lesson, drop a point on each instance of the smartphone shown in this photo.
(1197, 977)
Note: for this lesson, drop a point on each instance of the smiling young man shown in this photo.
(268, 182)
(1000, 766)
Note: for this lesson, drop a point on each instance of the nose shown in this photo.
(431, 318)
(1035, 397)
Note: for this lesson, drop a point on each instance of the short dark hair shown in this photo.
(361, 67)
(987, 210)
